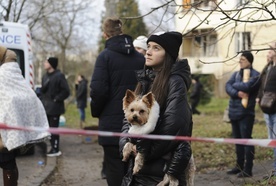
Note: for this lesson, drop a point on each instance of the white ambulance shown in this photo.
(17, 37)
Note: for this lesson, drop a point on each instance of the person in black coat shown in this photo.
(81, 95)
(169, 79)
(54, 91)
(195, 94)
(241, 115)
(113, 75)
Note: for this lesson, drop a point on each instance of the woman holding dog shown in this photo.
(169, 80)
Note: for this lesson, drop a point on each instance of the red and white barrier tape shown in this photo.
(67, 131)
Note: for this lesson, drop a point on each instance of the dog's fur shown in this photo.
(142, 113)
(190, 172)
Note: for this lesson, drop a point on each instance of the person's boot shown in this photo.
(10, 177)
(237, 169)
(247, 172)
(103, 172)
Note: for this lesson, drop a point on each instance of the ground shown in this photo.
(81, 163)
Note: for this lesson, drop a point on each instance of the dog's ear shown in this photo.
(148, 99)
(129, 97)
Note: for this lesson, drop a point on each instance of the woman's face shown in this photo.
(79, 78)
(155, 55)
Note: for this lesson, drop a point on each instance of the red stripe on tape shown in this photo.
(67, 131)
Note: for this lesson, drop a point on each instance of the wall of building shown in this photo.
(225, 62)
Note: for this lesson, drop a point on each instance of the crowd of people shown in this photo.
(147, 65)
(162, 70)
(247, 87)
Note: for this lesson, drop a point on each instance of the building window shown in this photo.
(206, 43)
(186, 4)
(243, 2)
(243, 41)
(202, 4)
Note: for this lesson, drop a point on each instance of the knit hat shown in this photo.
(248, 55)
(141, 42)
(170, 41)
(53, 61)
(3, 51)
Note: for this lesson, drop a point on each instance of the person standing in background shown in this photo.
(114, 73)
(268, 84)
(140, 44)
(195, 95)
(54, 91)
(81, 95)
(242, 118)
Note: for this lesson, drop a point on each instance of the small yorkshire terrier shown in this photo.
(142, 113)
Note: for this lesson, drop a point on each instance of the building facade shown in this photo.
(216, 31)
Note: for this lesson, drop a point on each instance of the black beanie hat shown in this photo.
(53, 62)
(170, 41)
(248, 55)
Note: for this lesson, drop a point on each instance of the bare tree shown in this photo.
(248, 12)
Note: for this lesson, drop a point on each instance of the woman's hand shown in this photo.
(242, 94)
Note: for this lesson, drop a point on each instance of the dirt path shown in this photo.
(80, 165)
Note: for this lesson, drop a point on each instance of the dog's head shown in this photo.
(137, 109)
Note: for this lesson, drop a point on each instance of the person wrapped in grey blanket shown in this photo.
(20, 107)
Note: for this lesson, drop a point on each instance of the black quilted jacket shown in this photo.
(236, 84)
(54, 91)
(114, 73)
(165, 156)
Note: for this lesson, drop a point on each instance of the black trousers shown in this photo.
(245, 153)
(54, 122)
(114, 166)
(10, 162)
(194, 103)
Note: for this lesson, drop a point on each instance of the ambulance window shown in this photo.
(20, 59)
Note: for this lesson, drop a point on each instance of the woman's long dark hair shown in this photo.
(159, 86)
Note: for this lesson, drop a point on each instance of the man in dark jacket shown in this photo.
(54, 91)
(195, 94)
(242, 115)
(114, 73)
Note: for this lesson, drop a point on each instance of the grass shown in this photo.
(73, 119)
(209, 124)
